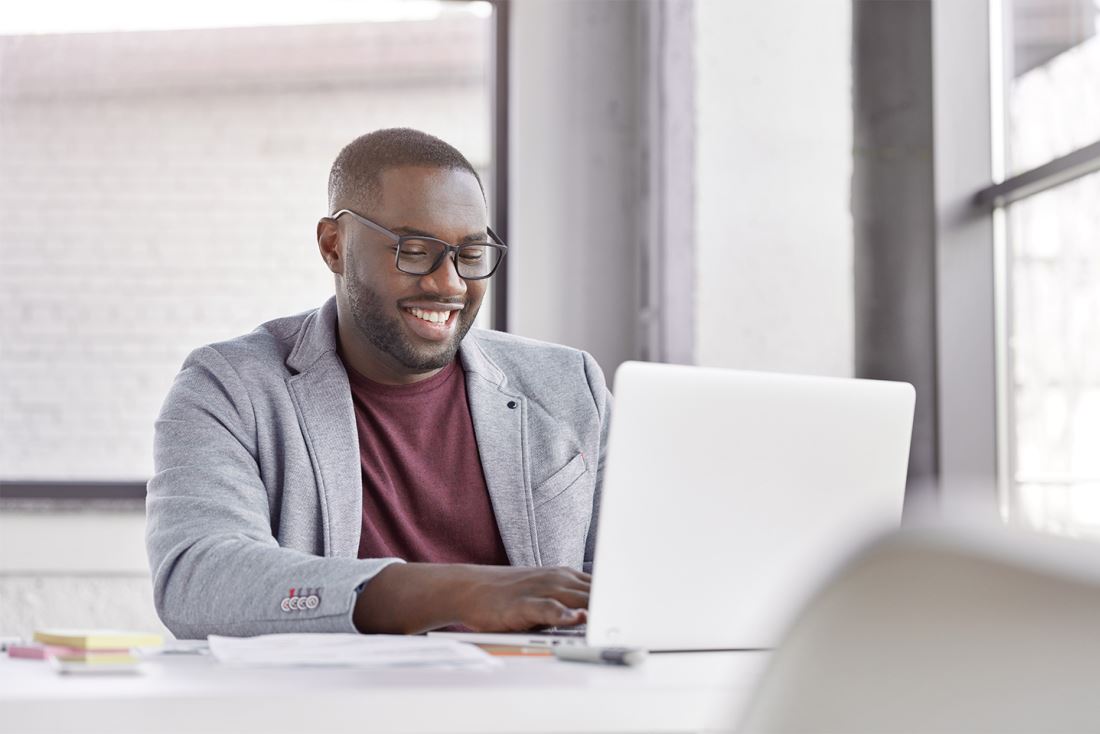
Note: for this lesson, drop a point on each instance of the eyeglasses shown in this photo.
(418, 255)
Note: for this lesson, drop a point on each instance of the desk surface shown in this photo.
(682, 692)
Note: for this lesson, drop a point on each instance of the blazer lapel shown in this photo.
(322, 400)
(501, 436)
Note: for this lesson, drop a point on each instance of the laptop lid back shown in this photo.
(728, 496)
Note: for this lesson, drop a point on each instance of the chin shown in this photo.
(429, 362)
(421, 358)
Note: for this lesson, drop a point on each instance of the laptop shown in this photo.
(728, 498)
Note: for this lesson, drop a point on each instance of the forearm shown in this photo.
(410, 598)
(416, 597)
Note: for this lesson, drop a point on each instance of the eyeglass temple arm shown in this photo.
(496, 238)
(363, 220)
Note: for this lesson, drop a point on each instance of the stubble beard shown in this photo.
(384, 330)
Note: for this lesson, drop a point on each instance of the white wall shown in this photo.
(74, 569)
(773, 140)
(773, 175)
(577, 175)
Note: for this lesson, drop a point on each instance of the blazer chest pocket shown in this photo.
(560, 481)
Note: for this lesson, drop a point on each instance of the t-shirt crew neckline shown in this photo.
(429, 384)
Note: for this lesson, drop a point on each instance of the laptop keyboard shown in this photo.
(575, 631)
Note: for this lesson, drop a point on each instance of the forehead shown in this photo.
(439, 198)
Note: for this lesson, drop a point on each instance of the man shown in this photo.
(374, 465)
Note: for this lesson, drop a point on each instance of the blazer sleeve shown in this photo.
(216, 566)
(601, 398)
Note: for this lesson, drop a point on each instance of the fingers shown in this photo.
(580, 576)
(561, 584)
(503, 599)
(571, 599)
(553, 597)
(565, 578)
(551, 613)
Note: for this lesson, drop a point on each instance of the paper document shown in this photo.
(347, 650)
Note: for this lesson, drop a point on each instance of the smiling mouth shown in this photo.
(430, 315)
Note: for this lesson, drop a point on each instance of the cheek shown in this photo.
(375, 276)
(475, 292)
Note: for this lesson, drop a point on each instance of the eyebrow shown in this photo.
(413, 231)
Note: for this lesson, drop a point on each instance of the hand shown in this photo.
(506, 599)
(415, 597)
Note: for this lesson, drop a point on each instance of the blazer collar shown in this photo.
(321, 394)
(316, 338)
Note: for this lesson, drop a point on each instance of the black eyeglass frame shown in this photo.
(448, 248)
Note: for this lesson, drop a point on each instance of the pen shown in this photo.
(606, 655)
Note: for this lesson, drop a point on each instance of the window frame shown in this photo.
(972, 193)
(966, 290)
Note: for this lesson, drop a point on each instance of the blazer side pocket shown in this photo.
(560, 481)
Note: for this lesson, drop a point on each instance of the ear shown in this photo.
(329, 243)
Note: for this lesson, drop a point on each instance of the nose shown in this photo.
(444, 280)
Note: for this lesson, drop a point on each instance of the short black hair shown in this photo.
(359, 165)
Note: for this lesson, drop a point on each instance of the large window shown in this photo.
(1049, 205)
(162, 170)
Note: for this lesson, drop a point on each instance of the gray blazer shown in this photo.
(255, 507)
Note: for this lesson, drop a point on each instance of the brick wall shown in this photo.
(160, 190)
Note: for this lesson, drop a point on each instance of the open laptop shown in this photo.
(728, 497)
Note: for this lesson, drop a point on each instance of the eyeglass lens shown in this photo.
(420, 257)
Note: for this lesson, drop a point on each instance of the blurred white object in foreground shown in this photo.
(941, 630)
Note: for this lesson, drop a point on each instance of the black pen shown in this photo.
(605, 655)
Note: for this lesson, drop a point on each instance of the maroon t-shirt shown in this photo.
(424, 494)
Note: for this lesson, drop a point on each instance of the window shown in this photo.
(1051, 349)
(160, 181)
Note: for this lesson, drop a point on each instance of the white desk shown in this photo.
(684, 692)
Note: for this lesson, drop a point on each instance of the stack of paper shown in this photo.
(97, 639)
(348, 650)
(90, 651)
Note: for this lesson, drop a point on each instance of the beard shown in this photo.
(383, 329)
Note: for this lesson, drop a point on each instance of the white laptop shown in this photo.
(728, 497)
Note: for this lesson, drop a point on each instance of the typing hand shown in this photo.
(504, 599)
(415, 597)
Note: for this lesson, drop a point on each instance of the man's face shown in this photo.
(413, 323)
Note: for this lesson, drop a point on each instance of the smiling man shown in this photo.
(377, 464)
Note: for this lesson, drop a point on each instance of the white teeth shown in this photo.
(437, 317)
